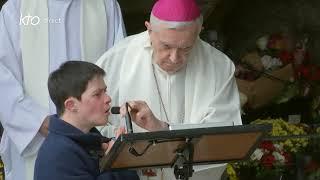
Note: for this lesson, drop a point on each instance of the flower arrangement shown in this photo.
(286, 142)
(280, 70)
(274, 52)
(270, 158)
(278, 49)
(274, 157)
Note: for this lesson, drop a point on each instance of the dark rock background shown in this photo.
(240, 23)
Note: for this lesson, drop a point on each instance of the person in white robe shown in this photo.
(170, 76)
(36, 37)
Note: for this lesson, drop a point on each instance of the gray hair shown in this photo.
(154, 21)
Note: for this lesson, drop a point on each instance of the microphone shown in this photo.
(116, 110)
(128, 120)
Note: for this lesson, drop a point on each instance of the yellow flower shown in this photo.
(283, 128)
(231, 172)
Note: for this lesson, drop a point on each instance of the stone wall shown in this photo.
(1, 3)
(242, 22)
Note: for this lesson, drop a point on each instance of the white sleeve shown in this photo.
(20, 116)
(225, 105)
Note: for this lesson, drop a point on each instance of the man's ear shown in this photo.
(148, 26)
(70, 104)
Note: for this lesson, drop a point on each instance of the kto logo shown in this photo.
(35, 20)
(29, 20)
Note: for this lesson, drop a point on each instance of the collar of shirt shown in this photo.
(90, 141)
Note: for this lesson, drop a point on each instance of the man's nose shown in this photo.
(174, 56)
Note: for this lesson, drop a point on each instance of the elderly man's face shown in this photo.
(171, 47)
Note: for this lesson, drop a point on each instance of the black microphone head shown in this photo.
(115, 110)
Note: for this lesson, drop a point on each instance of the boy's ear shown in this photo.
(70, 104)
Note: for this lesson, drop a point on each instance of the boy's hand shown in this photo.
(107, 146)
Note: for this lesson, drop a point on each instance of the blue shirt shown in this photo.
(69, 154)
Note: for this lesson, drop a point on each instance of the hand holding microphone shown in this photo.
(141, 114)
(126, 114)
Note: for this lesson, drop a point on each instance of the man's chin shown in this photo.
(173, 71)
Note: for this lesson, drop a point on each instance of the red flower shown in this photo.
(268, 145)
(267, 160)
(309, 72)
(285, 57)
(287, 157)
(303, 71)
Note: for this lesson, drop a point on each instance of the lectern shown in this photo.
(181, 149)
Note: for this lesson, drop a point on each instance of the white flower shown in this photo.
(269, 62)
(279, 157)
(257, 154)
(278, 147)
(262, 42)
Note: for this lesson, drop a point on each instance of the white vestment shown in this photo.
(29, 52)
(204, 91)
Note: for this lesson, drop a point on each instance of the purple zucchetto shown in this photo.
(176, 10)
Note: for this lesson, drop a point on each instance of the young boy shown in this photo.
(71, 150)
